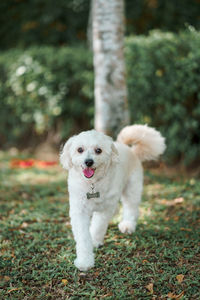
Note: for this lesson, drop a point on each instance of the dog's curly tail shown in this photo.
(146, 142)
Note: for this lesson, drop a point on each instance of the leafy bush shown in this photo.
(164, 88)
(142, 15)
(45, 89)
(41, 22)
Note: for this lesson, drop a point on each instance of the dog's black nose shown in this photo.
(89, 162)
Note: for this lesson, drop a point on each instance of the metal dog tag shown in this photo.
(93, 195)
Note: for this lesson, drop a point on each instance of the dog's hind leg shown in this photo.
(131, 198)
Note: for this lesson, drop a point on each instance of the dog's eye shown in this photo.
(80, 150)
(98, 150)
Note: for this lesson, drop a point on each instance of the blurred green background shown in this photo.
(46, 72)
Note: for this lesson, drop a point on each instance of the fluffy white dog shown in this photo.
(101, 172)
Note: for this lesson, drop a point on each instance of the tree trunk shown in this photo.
(111, 106)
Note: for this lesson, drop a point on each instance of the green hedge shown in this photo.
(51, 89)
(164, 88)
(44, 89)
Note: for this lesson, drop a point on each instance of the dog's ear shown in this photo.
(65, 157)
(115, 153)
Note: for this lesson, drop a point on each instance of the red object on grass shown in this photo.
(30, 163)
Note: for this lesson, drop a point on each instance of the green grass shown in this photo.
(37, 248)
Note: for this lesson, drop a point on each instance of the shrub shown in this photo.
(51, 89)
(41, 22)
(164, 88)
(44, 89)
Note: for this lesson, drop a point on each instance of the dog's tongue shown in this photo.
(88, 172)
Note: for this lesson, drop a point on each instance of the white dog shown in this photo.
(101, 172)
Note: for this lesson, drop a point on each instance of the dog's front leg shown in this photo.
(84, 249)
(99, 226)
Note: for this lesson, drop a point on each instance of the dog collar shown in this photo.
(93, 194)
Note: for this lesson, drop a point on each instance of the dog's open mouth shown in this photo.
(88, 172)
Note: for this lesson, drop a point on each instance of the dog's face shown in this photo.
(89, 153)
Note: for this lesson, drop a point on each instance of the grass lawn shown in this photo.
(159, 261)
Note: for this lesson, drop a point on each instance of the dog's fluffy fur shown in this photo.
(116, 174)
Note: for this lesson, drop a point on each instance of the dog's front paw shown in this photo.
(84, 264)
(127, 227)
